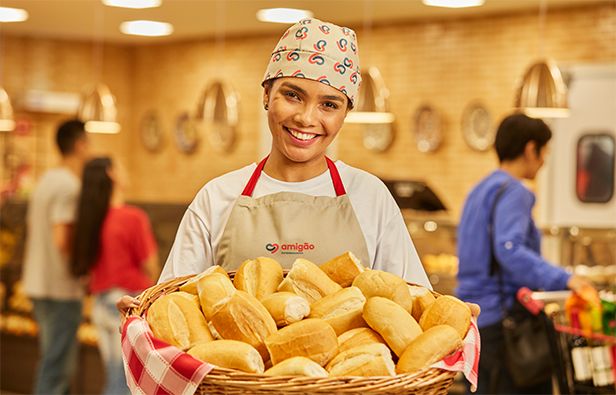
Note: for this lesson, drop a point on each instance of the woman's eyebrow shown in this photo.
(303, 92)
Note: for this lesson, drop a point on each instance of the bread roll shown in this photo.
(286, 307)
(358, 337)
(259, 277)
(245, 319)
(311, 338)
(429, 347)
(214, 290)
(422, 298)
(368, 360)
(308, 281)
(387, 285)
(343, 269)
(190, 286)
(342, 310)
(230, 354)
(177, 319)
(447, 310)
(392, 322)
(297, 366)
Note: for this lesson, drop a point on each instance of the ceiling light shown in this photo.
(133, 3)
(13, 14)
(454, 3)
(282, 15)
(98, 111)
(373, 101)
(146, 28)
(542, 92)
(7, 122)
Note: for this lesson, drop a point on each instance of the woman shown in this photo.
(296, 202)
(114, 245)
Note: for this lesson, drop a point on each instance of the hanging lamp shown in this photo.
(7, 120)
(98, 110)
(372, 104)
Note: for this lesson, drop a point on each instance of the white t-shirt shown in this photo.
(389, 244)
(46, 272)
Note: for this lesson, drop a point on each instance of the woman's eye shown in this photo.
(292, 94)
(331, 105)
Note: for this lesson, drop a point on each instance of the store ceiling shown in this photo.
(91, 20)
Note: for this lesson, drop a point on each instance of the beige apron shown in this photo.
(289, 225)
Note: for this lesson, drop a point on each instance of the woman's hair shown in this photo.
(515, 131)
(92, 209)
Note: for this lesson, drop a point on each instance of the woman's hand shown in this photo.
(475, 309)
(123, 304)
(584, 289)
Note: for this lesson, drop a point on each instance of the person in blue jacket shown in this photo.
(521, 145)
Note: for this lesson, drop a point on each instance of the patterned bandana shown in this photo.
(318, 51)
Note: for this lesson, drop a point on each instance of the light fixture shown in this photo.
(372, 104)
(282, 15)
(98, 110)
(7, 121)
(454, 3)
(542, 92)
(146, 28)
(137, 4)
(8, 14)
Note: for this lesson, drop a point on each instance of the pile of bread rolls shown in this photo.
(339, 319)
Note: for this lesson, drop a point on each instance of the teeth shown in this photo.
(302, 136)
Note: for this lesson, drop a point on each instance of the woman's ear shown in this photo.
(267, 88)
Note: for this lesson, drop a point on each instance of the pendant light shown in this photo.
(372, 104)
(542, 92)
(7, 121)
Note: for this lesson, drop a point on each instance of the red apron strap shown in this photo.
(333, 171)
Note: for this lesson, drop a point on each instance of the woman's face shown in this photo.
(304, 117)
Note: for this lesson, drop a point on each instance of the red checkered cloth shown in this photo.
(154, 367)
(465, 360)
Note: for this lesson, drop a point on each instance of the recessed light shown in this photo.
(146, 28)
(8, 14)
(282, 15)
(454, 3)
(133, 3)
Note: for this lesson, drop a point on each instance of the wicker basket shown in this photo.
(228, 381)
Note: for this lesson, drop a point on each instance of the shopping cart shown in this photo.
(550, 306)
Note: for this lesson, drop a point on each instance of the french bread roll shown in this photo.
(259, 277)
(230, 354)
(372, 359)
(392, 322)
(177, 319)
(311, 338)
(245, 319)
(214, 290)
(431, 346)
(447, 310)
(286, 307)
(343, 269)
(308, 281)
(384, 284)
(422, 298)
(297, 366)
(342, 310)
(358, 337)
(190, 286)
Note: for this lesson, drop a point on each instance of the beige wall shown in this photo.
(444, 63)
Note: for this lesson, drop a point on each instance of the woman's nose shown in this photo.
(305, 115)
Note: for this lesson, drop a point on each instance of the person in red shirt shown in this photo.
(115, 247)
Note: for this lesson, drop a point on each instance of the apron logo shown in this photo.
(290, 248)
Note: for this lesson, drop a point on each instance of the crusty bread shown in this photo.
(311, 338)
(308, 281)
(286, 307)
(343, 269)
(447, 310)
(392, 322)
(177, 319)
(422, 298)
(342, 310)
(297, 366)
(230, 354)
(190, 285)
(384, 284)
(358, 337)
(245, 319)
(259, 277)
(372, 359)
(429, 347)
(214, 290)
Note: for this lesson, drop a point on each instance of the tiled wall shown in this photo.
(444, 63)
